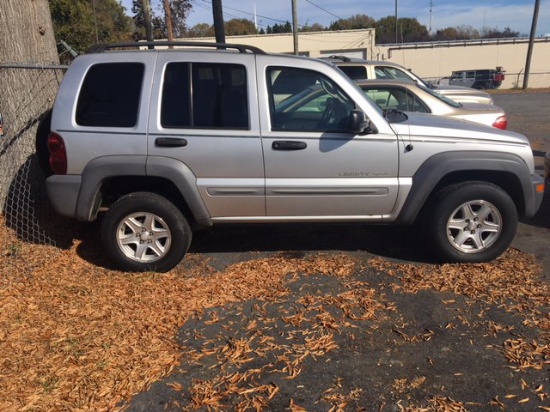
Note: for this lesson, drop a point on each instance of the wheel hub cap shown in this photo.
(144, 237)
(474, 226)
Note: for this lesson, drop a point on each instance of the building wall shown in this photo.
(432, 61)
(438, 60)
(312, 44)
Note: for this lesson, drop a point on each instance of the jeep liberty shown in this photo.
(159, 142)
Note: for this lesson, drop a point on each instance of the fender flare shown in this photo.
(103, 168)
(437, 167)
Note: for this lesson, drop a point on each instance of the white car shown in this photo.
(412, 97)
(359, 69)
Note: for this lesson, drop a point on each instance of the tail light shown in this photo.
(58, 154)
(499, 77)
(501, 123)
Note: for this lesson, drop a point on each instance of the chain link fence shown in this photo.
(23, 198)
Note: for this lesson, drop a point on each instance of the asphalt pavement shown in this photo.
(400, 336)
(529, 114)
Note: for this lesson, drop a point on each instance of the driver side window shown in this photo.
(303, 100)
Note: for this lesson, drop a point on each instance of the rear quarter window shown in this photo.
(355, 72)
(110, 95)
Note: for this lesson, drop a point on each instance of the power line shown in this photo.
(326, 11)
(237, 10)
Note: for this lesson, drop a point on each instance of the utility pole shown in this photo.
(147, 20)
(295, 25)
(531, 43)
(219, 29)
(396, 38)
(168, 18)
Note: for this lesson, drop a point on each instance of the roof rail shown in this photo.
(343, 58)
(100, 48)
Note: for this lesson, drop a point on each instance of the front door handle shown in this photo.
(288, 145)
(170, 142)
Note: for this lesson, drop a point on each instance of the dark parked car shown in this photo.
(478, 79)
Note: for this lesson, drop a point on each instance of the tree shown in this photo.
(495, 33)
(279, 28)
(26, 95)
(83, 23)
(313, 27)
(201, 30)
(179, 10)
(408, 30)
(457, 33)
(355, 22)
(237, 27)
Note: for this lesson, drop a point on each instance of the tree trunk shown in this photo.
(26, 95)
(147, 20)
(168, 18)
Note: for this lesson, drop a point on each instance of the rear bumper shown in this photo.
(63, 193)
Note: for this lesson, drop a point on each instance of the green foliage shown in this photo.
(355, 22)
(83, 23)
(279, 28)
(313, 27)
(408, 30)
(457, 33)
(179, 9)
(237, 27)
(469, 33)
(201, 30)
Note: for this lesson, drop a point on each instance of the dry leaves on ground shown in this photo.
(74, 336)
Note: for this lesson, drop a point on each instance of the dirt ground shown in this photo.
(390, 332)
(283, 318)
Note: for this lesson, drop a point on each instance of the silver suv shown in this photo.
(359, 69)
(159, 141)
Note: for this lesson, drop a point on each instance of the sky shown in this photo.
(435, 14)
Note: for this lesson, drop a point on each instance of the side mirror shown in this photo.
(359, 124)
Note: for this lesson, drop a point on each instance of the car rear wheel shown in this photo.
(145, 232)
(472, 222)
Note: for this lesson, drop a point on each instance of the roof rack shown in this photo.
(100, 48)
(343, 58)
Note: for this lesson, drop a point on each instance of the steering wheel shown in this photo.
(329, 114)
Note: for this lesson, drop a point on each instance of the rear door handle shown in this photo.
(288, 145)
(170, 142)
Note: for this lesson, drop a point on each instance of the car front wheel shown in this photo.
(145, 232)
(472, 222)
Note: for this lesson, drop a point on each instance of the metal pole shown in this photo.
(396, 41)
(95, 23)
(531, 42)
(148, 21)
(168, 18)
(219, 29)
(295, 25)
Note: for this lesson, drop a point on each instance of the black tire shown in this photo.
(471, 222)
(145, 232)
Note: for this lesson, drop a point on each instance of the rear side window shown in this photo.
(355, 72)
(110, 95)
(204, 95)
